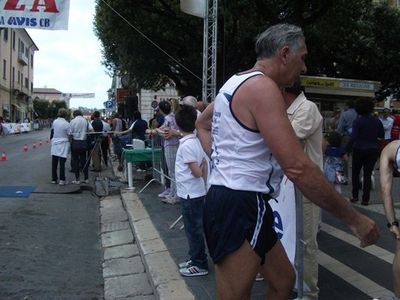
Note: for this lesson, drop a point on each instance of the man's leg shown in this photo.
(311, 214)
(279, 273)
(236, 272)
(54, 163)
(62, 160)
(355, 173)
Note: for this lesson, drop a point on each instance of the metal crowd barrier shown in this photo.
(158, 166)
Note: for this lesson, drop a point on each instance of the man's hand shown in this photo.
(395, 230)
(365, 229)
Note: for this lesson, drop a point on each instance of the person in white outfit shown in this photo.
(60, 145)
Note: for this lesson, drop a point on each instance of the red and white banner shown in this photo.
(35, 14)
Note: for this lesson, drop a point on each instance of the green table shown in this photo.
(132, 155)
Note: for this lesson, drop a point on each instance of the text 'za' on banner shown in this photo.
(35, 14)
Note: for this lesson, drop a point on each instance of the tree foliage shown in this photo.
(345, 38)
(45, 109)
(41, 108)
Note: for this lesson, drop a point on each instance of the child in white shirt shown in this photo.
(190, 170)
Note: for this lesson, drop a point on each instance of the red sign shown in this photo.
(121, 93)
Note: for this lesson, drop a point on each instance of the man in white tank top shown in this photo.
(389, 162)
(249, 137)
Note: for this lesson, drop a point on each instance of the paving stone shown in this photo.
(153, 246)
(123, 251)
(110, 202)
(114, 216)
(147, 297)
(162, 268)
(116, 238)
(122, 266)
(174, 290)
(145, 230)
(127, 286)
(114, 226)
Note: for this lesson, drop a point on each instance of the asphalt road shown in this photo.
(49, 242)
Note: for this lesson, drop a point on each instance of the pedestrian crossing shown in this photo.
(346, 273)
(368, 283)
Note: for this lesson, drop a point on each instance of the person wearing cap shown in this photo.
(390, 163)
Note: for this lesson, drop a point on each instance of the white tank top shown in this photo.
(241, 160)
(396, 164)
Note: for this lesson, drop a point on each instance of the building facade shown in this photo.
(17, 51)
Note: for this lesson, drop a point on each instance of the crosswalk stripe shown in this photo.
(352, 240)
(354, 278)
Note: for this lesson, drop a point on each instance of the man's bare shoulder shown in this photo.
(258, 88)
(391, 149)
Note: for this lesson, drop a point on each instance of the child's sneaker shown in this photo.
(75, 182)
(193, 271)
(62, 182)
(185, 264)
(165, 193)
(170, 200)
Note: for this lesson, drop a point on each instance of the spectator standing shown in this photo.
(60, 144)
(192, 101)
(307, 122)
(191, 168)
(169, 130)
(395, 133)
(387, 122)
(334, 161)
(345, 127)
(117, 147)
(105, 143)
(95, 141)
(365, 136)
(79, 127)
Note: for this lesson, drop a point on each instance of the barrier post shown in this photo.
(299, 262)
(155, 171)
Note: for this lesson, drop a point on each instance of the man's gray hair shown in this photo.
(189, 100)
(276, 37)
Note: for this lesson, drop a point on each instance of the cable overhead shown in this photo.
(149, 40)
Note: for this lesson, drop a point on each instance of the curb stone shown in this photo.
(163, 272)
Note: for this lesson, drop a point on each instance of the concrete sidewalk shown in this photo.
(137, 264)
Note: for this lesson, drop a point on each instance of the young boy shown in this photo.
(190, 170)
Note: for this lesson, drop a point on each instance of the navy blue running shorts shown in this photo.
(232, 216)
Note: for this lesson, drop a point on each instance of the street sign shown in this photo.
(108, 104)
(154, 104)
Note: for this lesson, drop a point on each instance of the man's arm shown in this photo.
(263, 100)
(203, 126)
(386, 179)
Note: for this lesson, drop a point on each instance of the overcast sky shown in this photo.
(70, 60)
